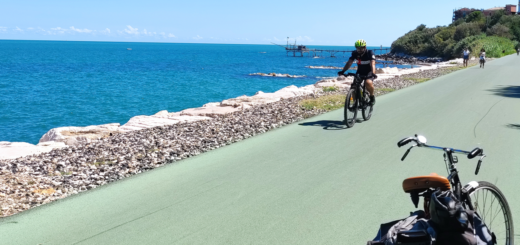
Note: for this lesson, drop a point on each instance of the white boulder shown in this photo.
(12, 150)
(77, 135)
(142, 122)
(208, 111)
(387, 70)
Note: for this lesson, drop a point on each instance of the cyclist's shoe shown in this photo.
(372, 100)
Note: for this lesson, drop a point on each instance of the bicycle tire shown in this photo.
(477, 195)
(350, 109)
(366, 112)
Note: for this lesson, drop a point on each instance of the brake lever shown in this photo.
(478, 164)
(407, 151)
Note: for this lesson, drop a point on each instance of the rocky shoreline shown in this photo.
(30, 181)
(272, 74)
(407, 59)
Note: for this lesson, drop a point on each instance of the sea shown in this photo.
(50, 84)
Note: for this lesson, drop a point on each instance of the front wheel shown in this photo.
(350, 111)
(491, 205)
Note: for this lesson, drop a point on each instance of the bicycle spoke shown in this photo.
(494, 217)
(485, 198)
(491, 209)
(494, 212)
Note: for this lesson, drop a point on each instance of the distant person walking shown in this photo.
(518, 51)
(466, 57)
(482, 58)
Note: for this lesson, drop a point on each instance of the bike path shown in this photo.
(312, 182)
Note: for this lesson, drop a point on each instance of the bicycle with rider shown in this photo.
(366, 62)
(482, 58)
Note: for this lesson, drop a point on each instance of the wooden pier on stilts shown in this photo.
(302, 50)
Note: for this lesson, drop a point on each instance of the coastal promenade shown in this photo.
(312, 182)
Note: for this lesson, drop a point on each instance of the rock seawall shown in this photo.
(148, 142)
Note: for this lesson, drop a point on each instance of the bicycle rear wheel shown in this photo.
(350, 111)
(491, 205)
(366, 112)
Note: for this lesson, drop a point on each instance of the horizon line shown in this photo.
(166, 42)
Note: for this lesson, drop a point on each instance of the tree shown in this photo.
(476, 16)
(457, 22)
(421, 27)
(495, 18)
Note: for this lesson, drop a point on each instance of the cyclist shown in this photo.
(366, 62)
(482, 58)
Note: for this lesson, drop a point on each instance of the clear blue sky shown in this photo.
(327, 22)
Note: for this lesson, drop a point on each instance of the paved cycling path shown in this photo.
(307, 183)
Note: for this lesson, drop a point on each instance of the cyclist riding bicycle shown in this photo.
(366, 62)
(482, 58)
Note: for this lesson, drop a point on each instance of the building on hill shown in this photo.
(463, 12)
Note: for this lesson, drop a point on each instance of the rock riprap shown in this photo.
(83, 162)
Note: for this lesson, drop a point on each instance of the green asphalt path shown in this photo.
(311, 182)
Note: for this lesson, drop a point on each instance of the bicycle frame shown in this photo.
(358, 84)
(450, 161)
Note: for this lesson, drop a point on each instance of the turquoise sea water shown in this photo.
(49, 84)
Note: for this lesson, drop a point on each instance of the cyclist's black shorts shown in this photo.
(369, 74)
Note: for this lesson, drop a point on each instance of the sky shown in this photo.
(326, 22)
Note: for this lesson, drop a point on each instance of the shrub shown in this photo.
(494, 46)
(446, 33)
(417, 42)
(499, 30)
(465, 30)
(466, 42)
(330, 89)
(515, 31)
(448, 41)
(457, 22)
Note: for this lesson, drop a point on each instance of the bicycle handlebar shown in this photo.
(350, 74)
(420, 141)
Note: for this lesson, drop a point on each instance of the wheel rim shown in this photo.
(487, 202)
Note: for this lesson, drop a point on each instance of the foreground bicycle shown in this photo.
(483, 197)
(357, 99)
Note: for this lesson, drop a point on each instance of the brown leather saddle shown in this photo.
(422, 183)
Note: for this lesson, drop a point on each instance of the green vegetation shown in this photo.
(417, 80)
(330, 89)
(326, 102)
(386, 90)
(455, 68)
(498, 34)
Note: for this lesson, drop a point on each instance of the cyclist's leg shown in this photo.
(370, 86)
(368, 82)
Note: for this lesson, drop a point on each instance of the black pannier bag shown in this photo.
(414, 230)
(450, 220)
(449, 224)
